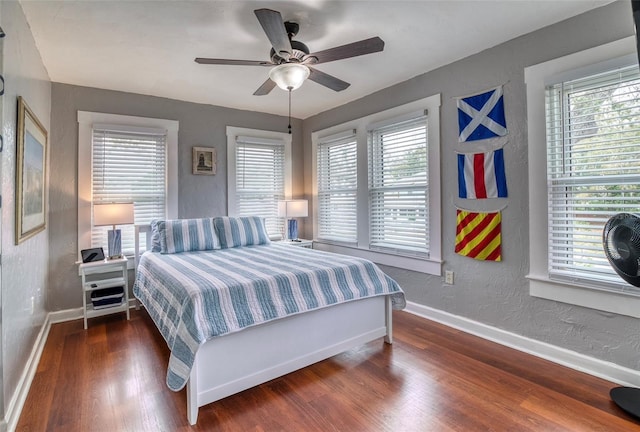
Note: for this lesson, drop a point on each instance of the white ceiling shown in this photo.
(148, 47)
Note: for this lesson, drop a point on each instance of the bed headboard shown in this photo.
(142, 230)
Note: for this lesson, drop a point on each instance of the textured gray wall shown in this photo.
(24, 267)
(497, 294)
(198, 196)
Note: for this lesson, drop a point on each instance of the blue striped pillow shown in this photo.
(155, 236)
(184, 235)
(240, 231)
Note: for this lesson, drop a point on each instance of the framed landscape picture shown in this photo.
(204, 160)
(31, 160)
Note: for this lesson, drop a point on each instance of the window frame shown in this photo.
(340, 139)
(86, 120)
(431, 264)
(575, 249)
(232, 134)
(537, 77)
(376, 179)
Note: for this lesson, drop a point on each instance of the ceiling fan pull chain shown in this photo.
(289, 110)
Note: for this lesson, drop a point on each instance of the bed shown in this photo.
(237, 313)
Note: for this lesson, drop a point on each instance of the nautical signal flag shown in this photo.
(482, 116)
(482, 175)
(478, 235)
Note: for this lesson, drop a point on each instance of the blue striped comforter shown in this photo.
(195, 296)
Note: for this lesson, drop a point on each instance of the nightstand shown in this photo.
(94, 277)
(300, 243)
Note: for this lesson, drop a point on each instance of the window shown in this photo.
(337, 187)
(125, 159)
(129, 165)
(259, 174)
(582, 115)
(593, 169)
(398, 204)
(376, 187)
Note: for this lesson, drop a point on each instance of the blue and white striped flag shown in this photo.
(482, 116)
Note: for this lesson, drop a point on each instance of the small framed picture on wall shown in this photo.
(204, 160)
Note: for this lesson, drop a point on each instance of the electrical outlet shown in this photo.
(448, 277)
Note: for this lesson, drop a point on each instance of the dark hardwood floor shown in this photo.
(434, 378)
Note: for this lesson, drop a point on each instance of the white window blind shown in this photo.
(337, 188)
(398, 197)
(593, 169)
(128, 165)
(260, 180)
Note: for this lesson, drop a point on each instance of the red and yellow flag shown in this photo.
(478, 235)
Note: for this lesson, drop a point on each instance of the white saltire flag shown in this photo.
(482, 116)
(482, 175)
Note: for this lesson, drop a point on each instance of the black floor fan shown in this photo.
(621, 240)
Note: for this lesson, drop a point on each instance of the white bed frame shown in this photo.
(232, 363)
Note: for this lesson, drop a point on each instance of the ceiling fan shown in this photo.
(292, 59)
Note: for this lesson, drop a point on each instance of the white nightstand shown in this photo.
(300, 243)
(94, 278)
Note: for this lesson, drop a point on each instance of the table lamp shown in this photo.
(290, 209)
(113, 214)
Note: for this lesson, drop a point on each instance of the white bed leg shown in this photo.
(388, 309)
(192, 395)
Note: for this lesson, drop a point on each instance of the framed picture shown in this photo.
(204, 160)
(31, 160)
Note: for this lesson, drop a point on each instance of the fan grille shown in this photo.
(621, 239)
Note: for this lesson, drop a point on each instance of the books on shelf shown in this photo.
(107, 297)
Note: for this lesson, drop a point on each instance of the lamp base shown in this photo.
(292, 230)
(115, 243)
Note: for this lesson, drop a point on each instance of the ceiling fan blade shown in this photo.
(327, 80)
(265, 88)
(203, 60)
(366, 46)
(273, 26)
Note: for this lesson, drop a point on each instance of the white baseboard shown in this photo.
(574, 360)
(65, 315)
(14, 409)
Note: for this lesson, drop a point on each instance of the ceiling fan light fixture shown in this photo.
(289, 76)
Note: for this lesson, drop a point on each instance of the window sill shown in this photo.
(619, 303)
(422, 265)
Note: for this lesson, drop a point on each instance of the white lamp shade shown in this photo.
(289, 76)
(293, 208)
(112, 214)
